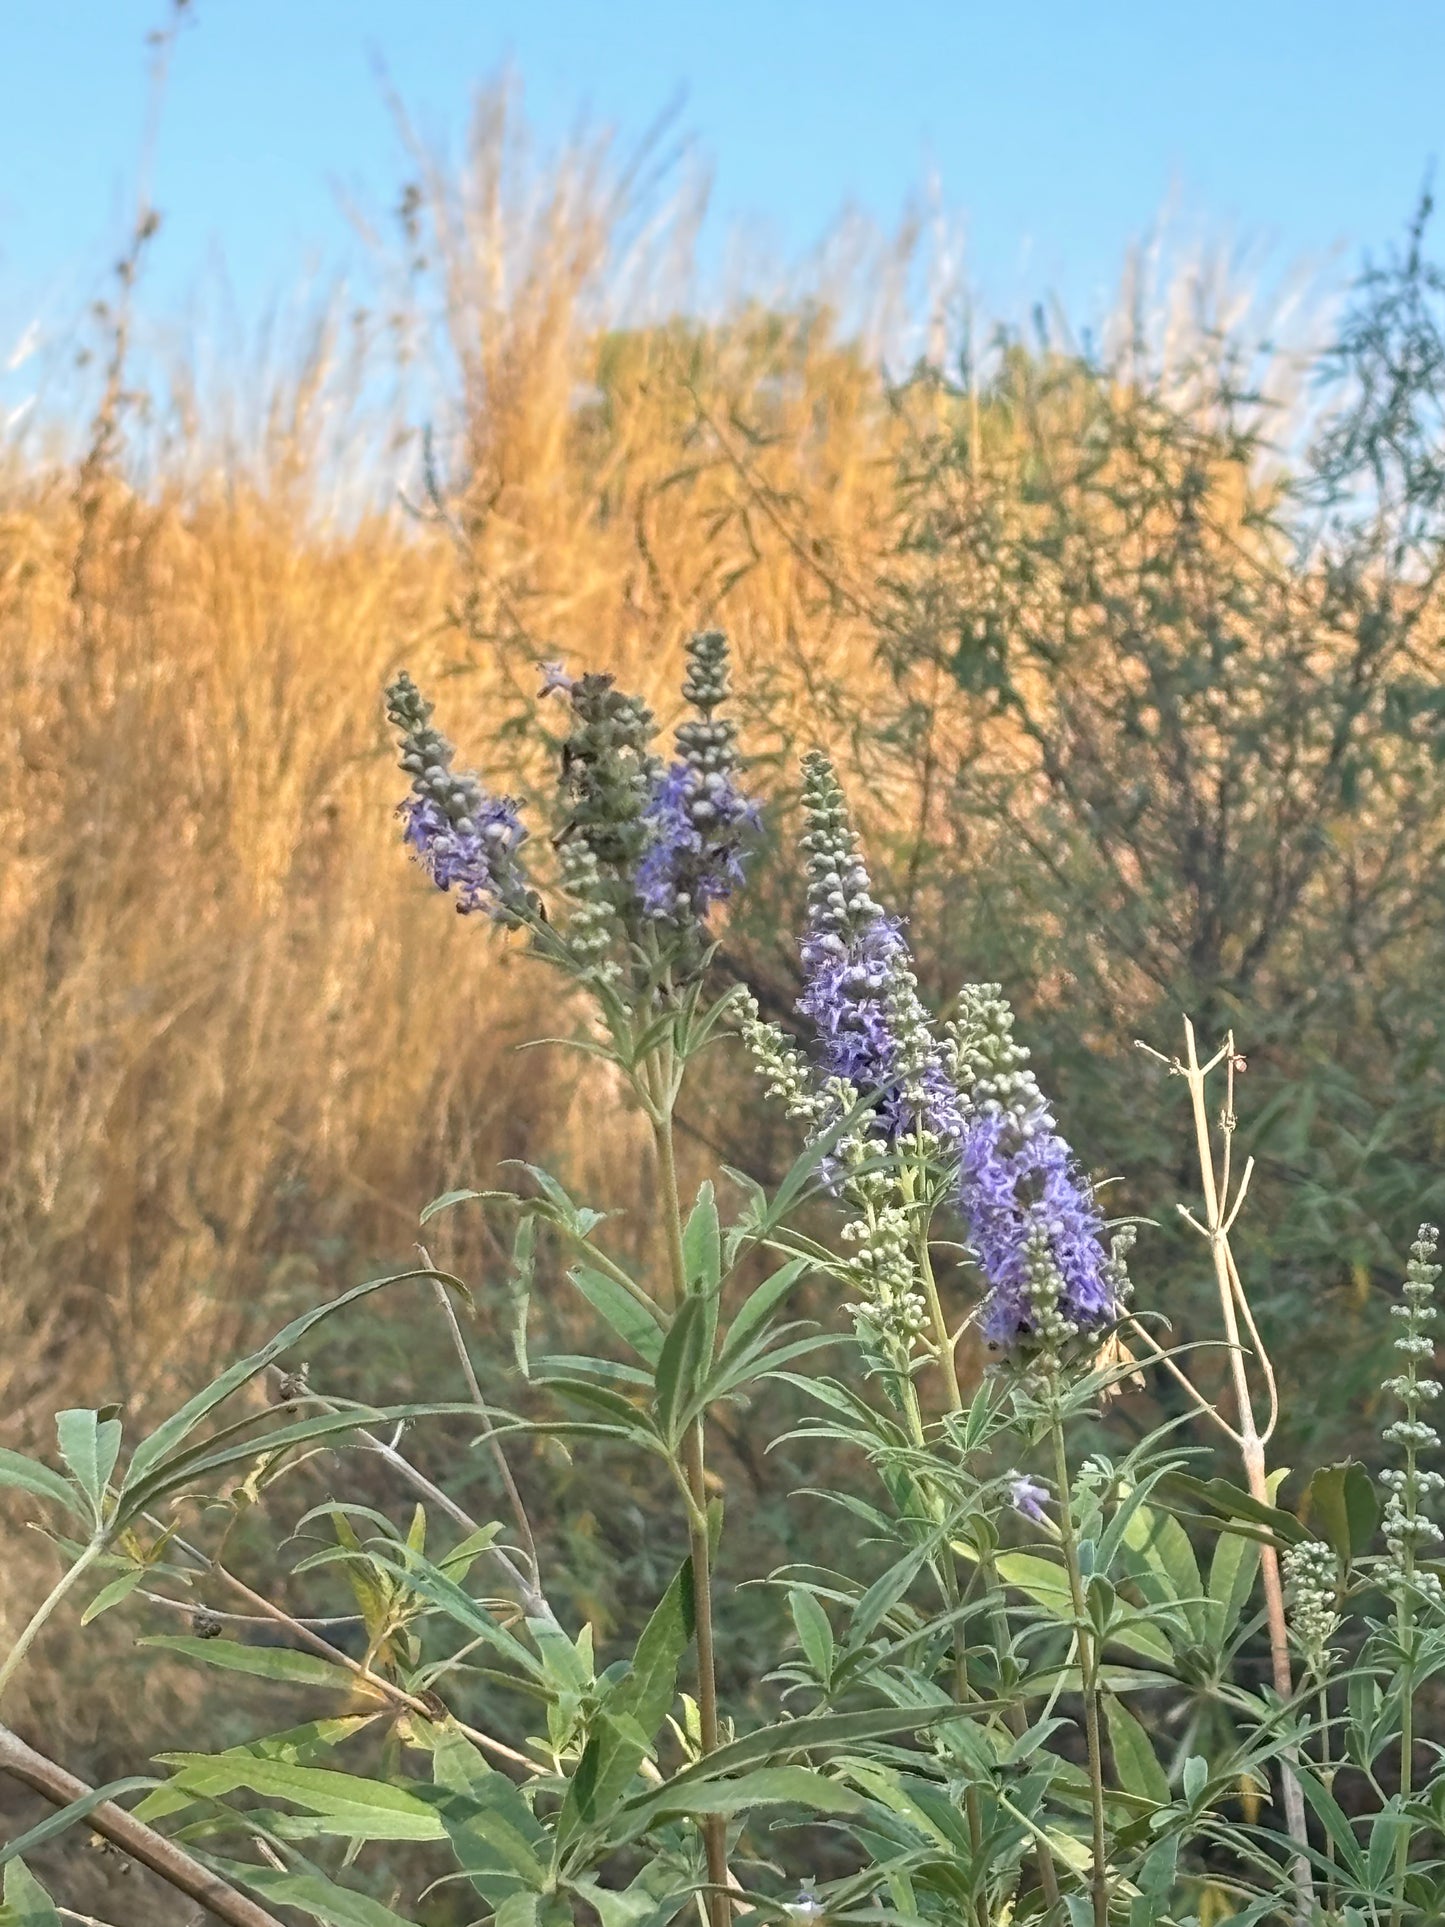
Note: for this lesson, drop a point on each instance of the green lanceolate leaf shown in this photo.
(67, 1816)
(768, 1786)
(815, 1634)
(311, 1892)
(112, 1594)
(89, 1445)
(167, 1437)
(1232, 1573)
(634, 1710)
(637, 1324)
(281, 1663)
(1224, 1501)
(702, 1243)
(681, 1366)
(759, 1308)
(26, 1902)
(1135, 1764)
(348, 1804)
(29, 1475)
(500, 1845)
(1340, 1504)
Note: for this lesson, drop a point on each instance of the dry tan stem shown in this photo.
(1218, 1218)
(132, 1836)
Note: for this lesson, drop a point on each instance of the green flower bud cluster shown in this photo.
(1312, 1588)
(1408, 1529)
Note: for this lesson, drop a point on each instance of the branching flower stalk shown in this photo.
(1220, 1214)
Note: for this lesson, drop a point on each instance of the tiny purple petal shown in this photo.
(694, 856)
(1028, 1497)
(1018, 1177)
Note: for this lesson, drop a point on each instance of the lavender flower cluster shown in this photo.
(1022, 1195)
(859, 988)
(697, 818)
(1033, 1226)
(640, 845)
(465, 839)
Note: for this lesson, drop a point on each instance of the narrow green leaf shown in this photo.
(89, 1445)
(280, 1663)
(359, 1808)
(681, 1365)
(26, 1902)
(815, 1634)
(1340, 1504)
(769, 1786)
(760, 1306)
(67, 1816)
(112, 1595)
(181, 1424)
(312, 1892)
(636, 1325)
(1232, 1573)
(1228, 1501)
(1135, 1763)
(29, 1475)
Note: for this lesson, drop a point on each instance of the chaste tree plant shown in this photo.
(1058, 1669)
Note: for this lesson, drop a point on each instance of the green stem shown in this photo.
(714, 1826)
(1405, 1635)
(46, 1607)
(988, 1571)
(1327, 1777)
(1088, 1660)
(941, 1336)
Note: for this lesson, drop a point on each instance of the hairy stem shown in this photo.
(16, 1656)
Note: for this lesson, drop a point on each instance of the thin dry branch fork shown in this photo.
(172, 1863)
(1220, 1215)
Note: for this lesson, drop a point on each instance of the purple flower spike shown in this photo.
(694, 857)
(697, 819)
(859, 988)
(1020, 1189)
(465, 840)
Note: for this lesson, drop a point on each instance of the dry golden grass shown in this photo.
(238, 1032)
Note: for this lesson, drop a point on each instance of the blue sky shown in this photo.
(1059, 132)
